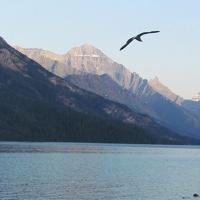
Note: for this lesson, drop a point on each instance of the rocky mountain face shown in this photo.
(88, 59)
(50, 61)
(190, 105)
(193, 105)
(36, 105)
(163, 90)
(106, 87)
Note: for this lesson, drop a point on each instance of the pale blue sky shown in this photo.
(173, 55)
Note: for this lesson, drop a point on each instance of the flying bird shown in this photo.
(137, 37)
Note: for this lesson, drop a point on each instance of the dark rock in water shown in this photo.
(195, 195)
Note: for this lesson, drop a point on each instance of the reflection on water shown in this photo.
(98, 171)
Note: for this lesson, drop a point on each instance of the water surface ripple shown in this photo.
(98, 171)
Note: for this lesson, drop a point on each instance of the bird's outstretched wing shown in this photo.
(127, 43)
(123, 47)
(137, 38)
(139, 35)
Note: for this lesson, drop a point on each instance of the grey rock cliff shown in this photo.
(163, 90)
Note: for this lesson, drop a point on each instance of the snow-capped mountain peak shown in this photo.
(196, 97)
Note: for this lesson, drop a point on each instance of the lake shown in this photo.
(98, 171)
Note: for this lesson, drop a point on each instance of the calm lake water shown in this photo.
(98, 171)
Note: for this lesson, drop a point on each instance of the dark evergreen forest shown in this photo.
(25, 119)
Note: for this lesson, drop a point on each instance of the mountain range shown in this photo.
(192, 105)
(37, 105)
(90, 69)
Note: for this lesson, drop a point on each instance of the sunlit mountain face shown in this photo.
(148, 97)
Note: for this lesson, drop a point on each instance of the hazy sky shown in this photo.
(173, 55)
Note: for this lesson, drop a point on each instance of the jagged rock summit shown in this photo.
(86, 50)
(163, 90)
(87, 58)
